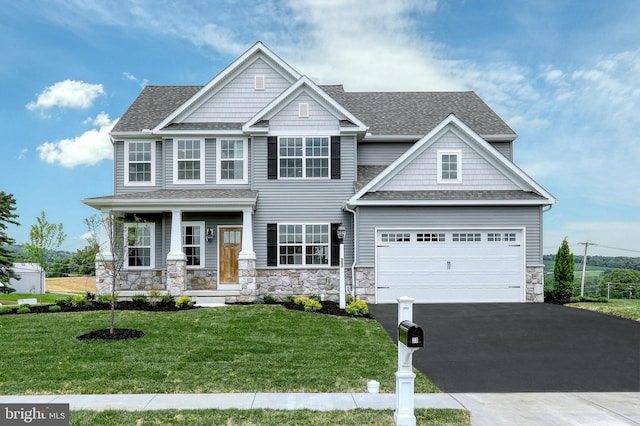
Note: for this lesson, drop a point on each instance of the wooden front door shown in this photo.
(229, 249)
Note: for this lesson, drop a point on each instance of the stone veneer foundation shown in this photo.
(301, 282)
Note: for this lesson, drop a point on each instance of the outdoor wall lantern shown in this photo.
(342, 231)
(209, 235)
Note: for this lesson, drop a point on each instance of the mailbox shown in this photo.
(410, 334)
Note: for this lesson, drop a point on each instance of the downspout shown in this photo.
(355, 248)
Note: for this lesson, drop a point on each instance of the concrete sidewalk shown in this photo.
(486, 408)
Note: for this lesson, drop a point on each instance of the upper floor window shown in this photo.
(140, 245)
(304, 157)
(139, 167)
(232, 161)
(449, 166)
(188, 161)
(193, 243)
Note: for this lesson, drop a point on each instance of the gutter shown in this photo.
(345, 207)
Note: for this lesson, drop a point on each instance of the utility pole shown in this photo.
(584, 265)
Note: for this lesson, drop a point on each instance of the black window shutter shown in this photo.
(335, 157)
(272, 244)
(335, 245)
(272, 157)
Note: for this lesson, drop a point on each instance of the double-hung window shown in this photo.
(139, 167)
(189, 161)
(193, 243)
(450, 166)
(140, 245)
(304, 157)
(232, 161)
(303, 244)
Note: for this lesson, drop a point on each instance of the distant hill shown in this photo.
(58, 255)
(600, 262)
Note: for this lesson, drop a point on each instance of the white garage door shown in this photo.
(440, 266)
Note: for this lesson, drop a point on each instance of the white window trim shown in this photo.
(304, 158)
(126, 164)
(152, 262)
(202, 244)
(456, 152)
(245, 159)
(175, 163)
(304, 246)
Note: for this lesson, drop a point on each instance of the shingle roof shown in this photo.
(152, 106)
(417, 113)
(460, 195)
(386, 113)
(183, 194)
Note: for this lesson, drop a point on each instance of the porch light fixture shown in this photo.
(209, 235)
(342, 231)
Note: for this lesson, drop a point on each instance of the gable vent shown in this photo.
(258, 82)
(303, 110)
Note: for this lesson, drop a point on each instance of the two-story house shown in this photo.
(237, 188)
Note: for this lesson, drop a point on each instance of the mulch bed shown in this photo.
(118, 334)
(328, 307)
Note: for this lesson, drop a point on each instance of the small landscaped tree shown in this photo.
(7, 216)
(563, 273)
(44, 239)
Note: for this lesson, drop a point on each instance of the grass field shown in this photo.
(619, 307)
(250, 348)
(71, 284)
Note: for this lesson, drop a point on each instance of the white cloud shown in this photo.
(142, 83)
(67, 94)
(88, 149)
(23, 153)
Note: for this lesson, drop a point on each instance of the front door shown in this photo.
(230, 246)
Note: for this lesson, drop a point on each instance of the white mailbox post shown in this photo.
(410, 339)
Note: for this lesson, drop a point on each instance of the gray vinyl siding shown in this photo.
(237, 101)
(476, 171)
(381, 153)
(301, 200)
(370, 218)
(504, 148)
(319, 118)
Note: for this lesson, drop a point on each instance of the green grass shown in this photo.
(619, 307)
(252, 348)
(12, 298)
(263, 417)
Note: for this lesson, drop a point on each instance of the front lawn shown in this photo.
(12, 298)
(264, 417)
(253, 348)
(620, 307)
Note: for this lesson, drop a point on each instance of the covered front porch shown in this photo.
(196, 243)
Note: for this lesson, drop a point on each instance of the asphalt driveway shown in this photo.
(513, 347)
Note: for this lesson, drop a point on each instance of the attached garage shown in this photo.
(450, 265)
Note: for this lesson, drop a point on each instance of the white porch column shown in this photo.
(176, 259)
(175, 251)
(106, 227)
(247, 252)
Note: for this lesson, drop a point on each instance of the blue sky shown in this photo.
(563, 74)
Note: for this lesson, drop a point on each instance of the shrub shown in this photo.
(289, 298)
(91, 297)
(154, 296)
(310, 305)
(105, 298)
(168, 298)
(258, 301)
(139, 298)
(6, 309)
(603, 299)
(64, 301)
(24, 309)
(269, 299)
(315, 297)
(55, 308)
(79, 301)
(184, 302)
(349, 299)
(357, 308)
